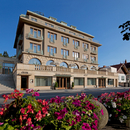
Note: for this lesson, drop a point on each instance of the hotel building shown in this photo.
(49, 51)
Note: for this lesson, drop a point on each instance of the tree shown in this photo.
(5, 54)
(125, 28)
(1, 55)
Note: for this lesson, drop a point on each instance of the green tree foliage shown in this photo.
(5, 54)
(125, 30)
(1, 55)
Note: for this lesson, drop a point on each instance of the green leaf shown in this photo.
(67, 127)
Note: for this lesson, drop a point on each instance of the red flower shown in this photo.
(29, 121)
(38, 115)
(16, 90)
(22, 110)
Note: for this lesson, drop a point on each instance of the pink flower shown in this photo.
(36, 94)
(29, 121)
(25, 116)
(86, 126)
(22, 110)
(102, 112)
(38, 115)
(1, 123)
(95, 116)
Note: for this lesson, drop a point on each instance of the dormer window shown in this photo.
(64, 23)
(52, 18)
(72, 26)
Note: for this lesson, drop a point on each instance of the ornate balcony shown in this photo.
(94, 62)
(37, 38)
(93, 52)
(65, 56)
(32, 51)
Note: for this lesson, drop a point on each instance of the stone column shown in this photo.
(106, 82)
(85, 81)
(97, 85)
(53, 82)
(71, 80)
(18, 82)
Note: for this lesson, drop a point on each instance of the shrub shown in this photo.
(117, 104)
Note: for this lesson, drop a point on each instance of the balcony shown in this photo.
(51, 54)
(19, 53)
(36, 38)
(75, 58)
(85, 60)
(64, 44)
(35, 52)
(51, 40)
(93, 52)
(85, 49)
(64, 56)
(75, 47)
(25, 16)
(94, 62)
(20, 39)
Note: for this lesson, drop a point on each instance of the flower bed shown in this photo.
(117, 104)
(59, 113)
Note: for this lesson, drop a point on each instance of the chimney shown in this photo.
(125, 61)
(104, 66)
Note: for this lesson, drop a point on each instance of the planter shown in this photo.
(128, 123)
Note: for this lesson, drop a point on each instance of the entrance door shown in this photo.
(102, 83)
(24, 82)
(63, 82)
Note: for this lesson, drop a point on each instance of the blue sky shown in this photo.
(99, 18)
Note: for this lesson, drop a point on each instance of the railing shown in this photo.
(75, 58)
(78, 71)
(102, 72)
(63, 69)
(91, 72)
(94, 51)
(110, 74)
(19, 53)
(65, 56)
(44, 68)
(75, 46)
(25, 16)
(51, 54)
(19, 38)
(35, 38)
(32, 51)
(64, 44)
(85, 49)
(85, 60)
(51, 40)
(94, 62)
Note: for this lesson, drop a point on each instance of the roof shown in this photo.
(118, 66)
(127, 65)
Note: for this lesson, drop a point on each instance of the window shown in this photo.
(36, 33)
(78, 81)
(64, 39)
(72, 33)
(84, 45)
(43, 81)
(91, 81)
(52, 37)
(49, 62)
(35, 61)
(122, 78)
(110, 81)
(85, 57)
(33, 19)
(49, 25)
(75, 54)
(35, 48)
(61, 29)
(51, 50)
(74, 66)
(7, 68)
(93, 58)
(93, 68)
(76, 43)
(64, 52)
(63, 64)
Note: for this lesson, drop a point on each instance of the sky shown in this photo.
(99, 18)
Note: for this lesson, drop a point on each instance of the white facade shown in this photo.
(121, 78)
(109, 69)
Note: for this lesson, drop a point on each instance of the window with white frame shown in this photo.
(122, 78)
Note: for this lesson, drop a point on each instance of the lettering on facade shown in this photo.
(24, 72)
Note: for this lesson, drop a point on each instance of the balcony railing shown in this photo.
(75, 46)
(79, 71)
(25, 16)
(65, 56)
(51, 40)
(85, 60)
(85, 49)
(19, 53)
(93, 51)
(32, 51)
(51, 54)
(20, 38)
(64, 44)
(75, 58)
(63, 69)
(94, 62)
(37, 38)
(42, 67)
